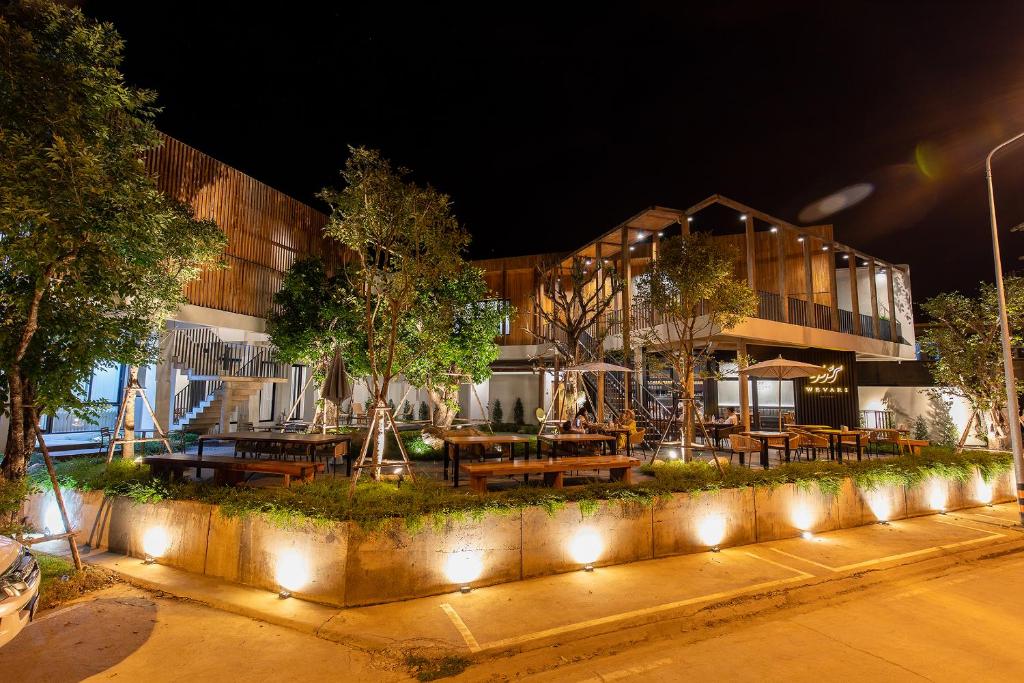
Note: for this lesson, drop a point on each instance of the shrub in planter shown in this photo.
(496, 412)
(517, 412)
(424, 411)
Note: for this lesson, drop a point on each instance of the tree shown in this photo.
(963, 341)
(401, 236)
(94, 256)
(518, 414)
(497, 414)
(452, 331)
(921, 427)
(943, 430)
(692, 287)
(579, 295)
(424, 411)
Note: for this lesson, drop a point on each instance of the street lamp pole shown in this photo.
(1012, 410)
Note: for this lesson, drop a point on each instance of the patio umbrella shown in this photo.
(780, 368)
(597, 367)
(336, 384)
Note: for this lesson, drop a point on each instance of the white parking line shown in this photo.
(461, 627)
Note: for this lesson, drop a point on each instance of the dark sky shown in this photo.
(548, 126)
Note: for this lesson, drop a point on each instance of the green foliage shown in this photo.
(95, 256)
(943, 430)
(431, 669)
(406, 411)
(496, 412)
(964, 343)
(61, 582)
(377, 506)
(424, 413)
(920, 427)
(518, 414)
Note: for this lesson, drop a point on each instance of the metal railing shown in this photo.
(203, 353)
(877, 419)
(192, 395)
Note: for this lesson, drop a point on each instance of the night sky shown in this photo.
(548, 126)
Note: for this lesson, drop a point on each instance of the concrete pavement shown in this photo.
(534, 624)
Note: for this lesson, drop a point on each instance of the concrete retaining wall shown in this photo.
(340, 564)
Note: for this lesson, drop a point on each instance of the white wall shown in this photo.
(909, 402)
(508, 386)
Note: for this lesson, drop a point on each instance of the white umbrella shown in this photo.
(780, 368)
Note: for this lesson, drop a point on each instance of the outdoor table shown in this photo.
(764, 438)
(835, 438)
(811, 428)
(310, 441)
(456, 442)
(553, 440)
(614, 430)
(716, 431)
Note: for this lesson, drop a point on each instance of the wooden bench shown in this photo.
(552, 469)
(231, 471)
(914, 445)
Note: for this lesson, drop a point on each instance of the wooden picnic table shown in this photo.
(553, 440)
(309, 441)
(620, 468)
(455, 442)
(764, 438)
(231, 471)
(835, 438)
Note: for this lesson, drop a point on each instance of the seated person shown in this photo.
(580, 424)
(628, 420)
(731, 418)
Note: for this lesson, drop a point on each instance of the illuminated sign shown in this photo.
(825, 382)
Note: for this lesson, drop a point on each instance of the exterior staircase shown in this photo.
(218, 371)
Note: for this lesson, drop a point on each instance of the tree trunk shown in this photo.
(689, 413)
(443, 397)
(19, 434)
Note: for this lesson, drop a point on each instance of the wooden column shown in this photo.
(876, 324)
(600, 396)
(536, 302)
(684, 226)
(654, 247)
(833, 290)
(540, 389)
(504, 297)
(780, 247)
(750, 237)
(892, 303)
(600, 284)
(809, 282)
(851, 266)
(741, 356)
(627, 301)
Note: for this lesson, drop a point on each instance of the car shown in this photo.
(19, 588)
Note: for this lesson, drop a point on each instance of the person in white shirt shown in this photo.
(731, 417)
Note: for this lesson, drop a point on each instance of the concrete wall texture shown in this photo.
(341, 564)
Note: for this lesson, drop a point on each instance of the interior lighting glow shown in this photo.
(291, 573)
(799, 239)
(155, 543)
(773, 229)
(586, 547)
(463, 567)
(711, 530)
(846, 257)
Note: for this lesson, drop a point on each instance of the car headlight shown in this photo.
(19, 577)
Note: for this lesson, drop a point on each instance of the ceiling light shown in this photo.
(799, 239)
(689, 219)
(743, 216)
(631, 247)
(589, 262)
(661, 234)
(846, 257)
(825, 248)
(773, 229)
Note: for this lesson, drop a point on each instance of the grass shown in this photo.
(61, 582)
(427, 669)
(375, 505)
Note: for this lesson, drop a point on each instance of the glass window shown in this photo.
(106, 384)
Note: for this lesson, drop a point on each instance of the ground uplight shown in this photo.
(711, 530)
(586, 547)
(291, 572)
(463, 567)
(155, 543)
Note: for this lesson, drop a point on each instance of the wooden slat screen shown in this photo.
(267, 230)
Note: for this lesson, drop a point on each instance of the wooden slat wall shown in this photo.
(267, 231)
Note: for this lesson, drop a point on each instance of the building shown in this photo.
(216, 364)
(819, 301)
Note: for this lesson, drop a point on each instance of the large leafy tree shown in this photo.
(452, 333)
(692, 288)
(576, 298)
(402, 236)
(94, 256)
(963, 340)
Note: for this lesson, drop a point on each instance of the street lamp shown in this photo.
(1013, 412)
